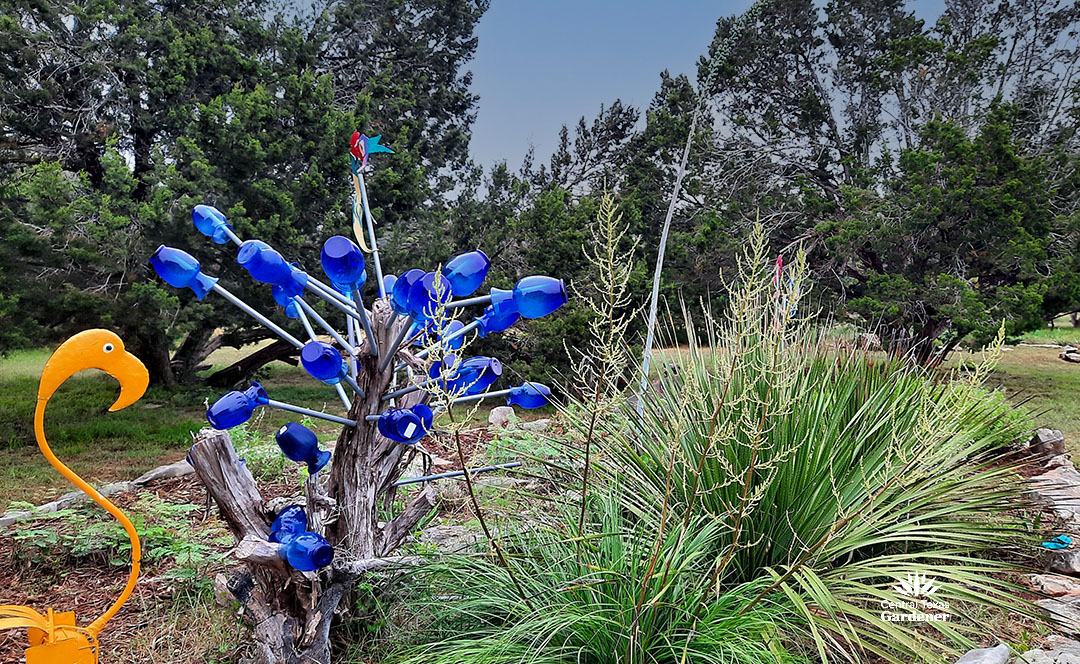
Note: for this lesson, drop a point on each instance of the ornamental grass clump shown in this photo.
(615, 595)
(769, 499)
(835, 476)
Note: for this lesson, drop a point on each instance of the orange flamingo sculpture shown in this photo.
(54, 637)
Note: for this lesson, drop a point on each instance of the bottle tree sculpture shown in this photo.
(396, 363)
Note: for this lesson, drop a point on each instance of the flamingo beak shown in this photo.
(96, 349)
(133, 379)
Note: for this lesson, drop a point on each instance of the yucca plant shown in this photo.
(831, 475)
(616, 595)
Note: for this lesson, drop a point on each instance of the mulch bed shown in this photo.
(90, 585)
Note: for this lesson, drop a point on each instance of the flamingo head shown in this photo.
(95, 349)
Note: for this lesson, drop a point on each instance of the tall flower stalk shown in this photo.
(607, 358)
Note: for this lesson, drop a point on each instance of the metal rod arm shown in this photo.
(482, 299)
(281, 405)
(456, 473)
(220, 290)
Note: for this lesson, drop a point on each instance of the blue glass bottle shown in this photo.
(399, 298)
(289, 523)
(529, 395)
(300, 444)
(466, 272)
(235, 408)
(538, 296)
(435, 370)
(180, 269)
(388, 281)
(432, 337)
(502, 301)
(307, 552)
(424, 297)
(291, 310)
(267, 266)
(211, 222)
(323, 362)
(490, 321)
(343, 263)
(427, 418)
(401, 426)
(473, 376)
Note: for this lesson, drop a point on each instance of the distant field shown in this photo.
(105, 447)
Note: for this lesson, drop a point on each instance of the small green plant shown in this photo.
(82, 536)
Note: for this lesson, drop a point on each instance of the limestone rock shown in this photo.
(1066, 562)
(178, 469)
(1059, 460)
(1059, 489)
(1065, 612)
(1060, 651)
(222, 595)
(450, 539)
(999, 654)
(536, 425)
(1048, 442)
(500, 416)
(1055, 585)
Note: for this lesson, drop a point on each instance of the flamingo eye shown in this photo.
(108, 348)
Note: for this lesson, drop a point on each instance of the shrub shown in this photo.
(832, 475)
(618, 595)
(768, 495)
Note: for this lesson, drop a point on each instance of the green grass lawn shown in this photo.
(103, 447)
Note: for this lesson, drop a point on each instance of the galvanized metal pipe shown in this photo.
(243, 306)
(281, 405)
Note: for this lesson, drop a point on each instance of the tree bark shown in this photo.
(291, 611)
(193, 351)
(242, 369)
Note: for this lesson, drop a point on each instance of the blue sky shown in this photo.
(542, 64)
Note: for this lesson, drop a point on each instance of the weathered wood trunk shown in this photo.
(291, 611)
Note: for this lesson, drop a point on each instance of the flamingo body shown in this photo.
(55, 638)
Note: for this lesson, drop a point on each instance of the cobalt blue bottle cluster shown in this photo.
(303, 550)
(412, 294)
(234, 408)
(300, 444)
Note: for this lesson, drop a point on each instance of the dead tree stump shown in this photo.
(291, 611)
